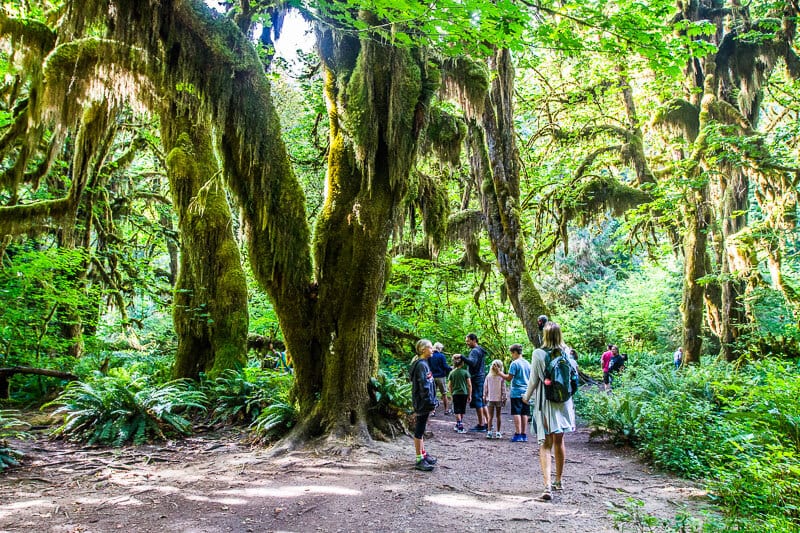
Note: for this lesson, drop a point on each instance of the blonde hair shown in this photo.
(551, 337)
(421, 344)
(497, 367)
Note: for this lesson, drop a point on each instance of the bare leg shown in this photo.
(560, 451)
(490, 418)
(418, 446)
(518, 424)
(499, 417)
(524, 428)
(544, 459)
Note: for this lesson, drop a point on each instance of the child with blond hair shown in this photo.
(494, 396)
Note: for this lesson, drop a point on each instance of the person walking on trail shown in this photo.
(494, 397)
(440, 370)
(519, 373)
(423, 396)
(677, 357)
(551, 420)
(605, 360)
(460, 387)
(475, 364)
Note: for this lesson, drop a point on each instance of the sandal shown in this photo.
(546, 495)
(557, 485)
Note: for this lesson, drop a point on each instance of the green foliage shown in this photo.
(280, 413)
(638, 313)
(10, 428)
(735, 429)
(121, 408)
(392, 393)
(241, 396)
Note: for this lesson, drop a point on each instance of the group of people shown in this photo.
(467, 380)
(612, 361)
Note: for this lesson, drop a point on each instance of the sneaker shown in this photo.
(517, 438)
(457, 428)
(462, 429)
(498, 435)
(423, 465)
(449, 412)
(431, 460)
(478, 429)
(546, 494)
(489, 435)
(558, 485)
(524, 437)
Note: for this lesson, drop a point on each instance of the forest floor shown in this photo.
(214, 482)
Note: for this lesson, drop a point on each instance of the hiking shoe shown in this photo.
(423, 465)
(557, 485)
(431, 460)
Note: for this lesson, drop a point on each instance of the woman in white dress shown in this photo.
(549, 420)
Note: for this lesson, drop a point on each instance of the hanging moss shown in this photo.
(445, 135)
(593, 198)
(435, 207)
(35, 36)
(466, 81)
(680, 117)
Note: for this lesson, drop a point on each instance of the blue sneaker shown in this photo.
(517, 438)
(524, 437)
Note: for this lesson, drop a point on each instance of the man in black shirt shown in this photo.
(475, 363)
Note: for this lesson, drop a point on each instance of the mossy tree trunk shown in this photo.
(695, 250)
(210, 306)
(494, 160)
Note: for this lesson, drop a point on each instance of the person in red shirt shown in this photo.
(606, 360)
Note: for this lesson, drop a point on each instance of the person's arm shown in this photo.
(503, 392)
(469, 388)
(533, 382)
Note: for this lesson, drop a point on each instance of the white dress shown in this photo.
(546, 416)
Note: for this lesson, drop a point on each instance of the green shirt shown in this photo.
(458, 378)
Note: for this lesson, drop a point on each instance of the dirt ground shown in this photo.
(214, 482)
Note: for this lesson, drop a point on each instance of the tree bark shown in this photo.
(494, 161)
(210, 306)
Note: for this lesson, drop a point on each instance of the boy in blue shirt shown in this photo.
(519, 373)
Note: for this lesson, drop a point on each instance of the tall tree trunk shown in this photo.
(695, 242)
(494, 161)
(210, 306)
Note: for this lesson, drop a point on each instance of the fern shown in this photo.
(119, 408)
(274, 421)
(10, 427)
(241, 395)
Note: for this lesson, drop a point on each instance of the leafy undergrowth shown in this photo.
(737, 429)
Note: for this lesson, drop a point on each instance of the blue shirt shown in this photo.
(521, 370)
(438, 364)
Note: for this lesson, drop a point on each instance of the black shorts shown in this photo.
(607, 377)
(518, 407)
(419, 425)
(460, 403)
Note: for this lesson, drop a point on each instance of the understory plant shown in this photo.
(735, 429)
(279, 414)
(10, 428)
(120, 408)
(241, 395)
(392, 395)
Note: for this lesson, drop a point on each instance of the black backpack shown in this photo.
(560, 377)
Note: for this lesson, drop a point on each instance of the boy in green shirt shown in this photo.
(460, 387)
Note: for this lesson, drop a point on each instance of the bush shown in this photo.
(10, 428)
(117, 409)
(240, 396)
(735, 428)
(392, 395)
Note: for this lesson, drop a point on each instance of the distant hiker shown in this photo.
(440, 369)
(677, 357)
(617, 363)
(475, 363)
(423, 395)
(519, 373)
(551, 420)
(605, 360)
(494, 397)
(540, 322)
(460, 387)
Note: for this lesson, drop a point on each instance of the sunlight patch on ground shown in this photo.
(338, 471)
(210, 499)
(9, 508)
(292, 491)
(471, 502)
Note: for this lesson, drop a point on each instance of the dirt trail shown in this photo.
(214, 483)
